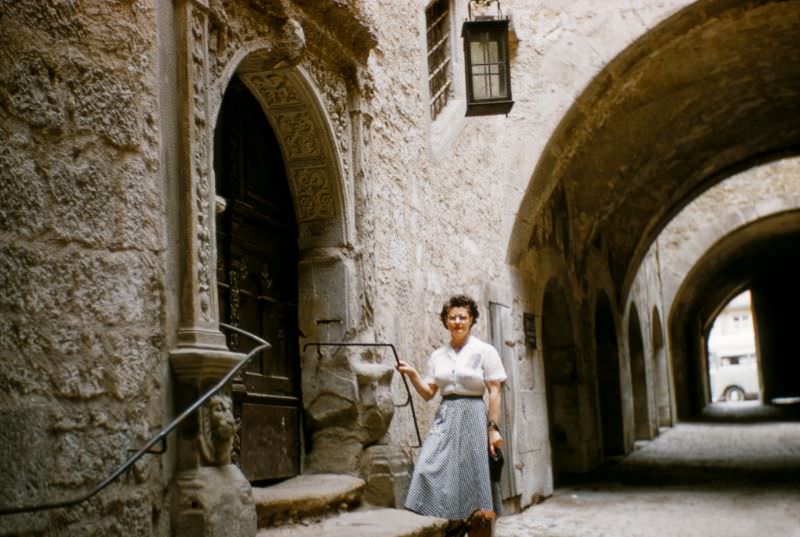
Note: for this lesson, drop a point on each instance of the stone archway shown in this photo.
(347, 407)
(698, 97)
(641, 399)
(759, 255)
(661, 123)
(608, 378)
(312, 164)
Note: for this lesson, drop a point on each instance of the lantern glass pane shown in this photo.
(488, 82)
(476, 51)
(488, 74)
(492, 48)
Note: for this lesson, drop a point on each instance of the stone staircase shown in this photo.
(331, 505)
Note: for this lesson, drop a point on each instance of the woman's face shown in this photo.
(459, 322)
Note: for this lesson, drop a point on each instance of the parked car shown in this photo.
(734, 378)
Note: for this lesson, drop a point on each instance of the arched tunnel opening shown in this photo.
(762, 257)
(749, 274)
(734, 375)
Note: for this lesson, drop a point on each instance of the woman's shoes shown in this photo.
(457, 528)
(479, 523)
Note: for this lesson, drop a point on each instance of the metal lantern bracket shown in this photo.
(483, 3)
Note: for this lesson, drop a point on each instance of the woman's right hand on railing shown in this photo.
(406, 369)
(427, 391)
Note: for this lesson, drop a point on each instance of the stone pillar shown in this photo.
(198, 322)
(210, 496)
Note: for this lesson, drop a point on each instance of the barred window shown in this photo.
(437, 22)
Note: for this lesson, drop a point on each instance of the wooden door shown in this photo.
(257, 278)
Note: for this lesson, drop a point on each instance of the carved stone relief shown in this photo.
(275, 89)
(199, 126)
(236, 274)
(217, 430)
(313, 194)
(310, 164)
(300, 137)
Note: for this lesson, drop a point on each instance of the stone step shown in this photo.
(306, 497)
(374, 522)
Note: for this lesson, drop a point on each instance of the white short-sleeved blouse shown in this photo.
(464, 372)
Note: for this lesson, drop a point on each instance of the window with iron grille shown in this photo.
(437, 22)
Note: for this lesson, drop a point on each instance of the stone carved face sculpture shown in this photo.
(219, 431)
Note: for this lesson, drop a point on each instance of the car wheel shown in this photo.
(733, 394)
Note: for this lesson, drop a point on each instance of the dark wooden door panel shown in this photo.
(257, 275)
(271, 440)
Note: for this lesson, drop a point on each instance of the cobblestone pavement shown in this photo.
(734, 476)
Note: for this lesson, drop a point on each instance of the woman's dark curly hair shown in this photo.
(459, 301)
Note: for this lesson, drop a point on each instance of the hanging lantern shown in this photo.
(486, 63)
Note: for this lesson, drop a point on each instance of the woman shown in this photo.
(451, 477)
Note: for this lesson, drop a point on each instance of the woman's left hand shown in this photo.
(495, 441)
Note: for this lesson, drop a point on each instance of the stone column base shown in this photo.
(212, 501)
(387, 470)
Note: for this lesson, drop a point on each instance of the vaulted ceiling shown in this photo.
(711, 91)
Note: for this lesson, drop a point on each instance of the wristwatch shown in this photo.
(493, 425)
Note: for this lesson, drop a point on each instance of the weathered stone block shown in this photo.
(84, 203)
(387, 471)
(330, 409)
(336, 450)
(33, 94)
(212, 501)
(138, 221)
(22, 192)
(107, 103)
(24, 478)
(106, 288)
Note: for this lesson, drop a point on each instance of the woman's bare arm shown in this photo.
(495, 400)
(425, 390)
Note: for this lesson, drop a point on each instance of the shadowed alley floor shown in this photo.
(733, 472)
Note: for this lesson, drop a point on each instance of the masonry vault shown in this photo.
(712, 90)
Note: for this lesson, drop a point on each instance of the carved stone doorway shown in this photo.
(257, 281)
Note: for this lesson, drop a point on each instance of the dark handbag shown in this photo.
(496, 465)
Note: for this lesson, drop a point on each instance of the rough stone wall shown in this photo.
(81, 276)
(645, 295)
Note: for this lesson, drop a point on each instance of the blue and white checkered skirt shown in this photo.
(451, 476)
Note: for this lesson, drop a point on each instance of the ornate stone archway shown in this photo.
(328, 267)
(347, 403)
(312, 165)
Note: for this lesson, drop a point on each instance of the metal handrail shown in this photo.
(159, 437)
(409, 401)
